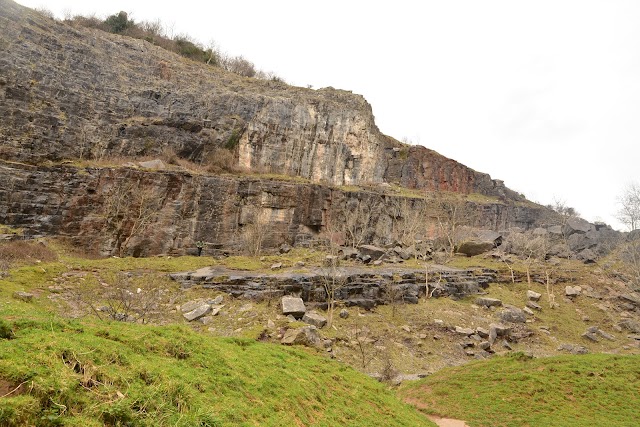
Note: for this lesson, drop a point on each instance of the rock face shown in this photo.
(179, 208)
(95, 94)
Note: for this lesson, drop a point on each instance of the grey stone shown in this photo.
(344, 313)
(197, 313)
(500, 329)
(506, 345)
(533, 295)
(474, 247)
(484, 333)
(191, 305)
(307, 336)
(573, 348)
(315, 319)
(284, 248)
(217, 300)
(533, 305)
(276, 266)
(513, 314)
(23, 296)
(488, 302)
(485, 345)
(590, 336)
(632, 298)
(372, 251)
(152, 164)
(528, 311)
(576, 225)
(293, 306)
(572, 291)
(631, 325)
(464, 331)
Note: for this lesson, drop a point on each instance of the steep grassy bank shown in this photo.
(587, 390)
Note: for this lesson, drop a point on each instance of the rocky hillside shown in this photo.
(76, 93)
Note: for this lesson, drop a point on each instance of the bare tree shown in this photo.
(409, 220)
(630, 256)
(629, 201)
(355, 219)
(530, 249)
(452, 213)
(128, 210)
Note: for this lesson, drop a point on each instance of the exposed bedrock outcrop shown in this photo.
(136, 212)
(69, 93)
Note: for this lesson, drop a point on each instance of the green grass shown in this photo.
(589, 390)
(85, 372)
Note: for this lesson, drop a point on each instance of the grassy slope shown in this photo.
(87, 372)
(589, 390)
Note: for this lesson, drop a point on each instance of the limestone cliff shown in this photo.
(70, 93)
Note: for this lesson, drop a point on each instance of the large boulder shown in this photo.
(474, 247)
(374, 252)
(307, 336)
(200, 311)
(293, 306)
(488, 302)
(576, 225)
(314, 318)
(513, 314)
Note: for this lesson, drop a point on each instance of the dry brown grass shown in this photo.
(24, 252)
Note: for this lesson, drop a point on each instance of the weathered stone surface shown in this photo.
(197, 313)
(572, 291)
(374, 252)
(488, 302)
(293, 306)
(23, 296)
(474, 247)
(344, 313)
(464, 331)
(512, 314)
(533, 295)
(307, 336)
(534, 306)
(152, 164)
(573, 349)
(631, 325)
(576, 225)
(314, 318)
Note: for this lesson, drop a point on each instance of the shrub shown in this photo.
(118, 23)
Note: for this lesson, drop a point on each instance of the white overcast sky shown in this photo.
(544, 95)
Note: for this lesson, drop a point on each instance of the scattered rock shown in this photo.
(631, 325)
(528, 311)
(307, 336)
(573, 349)
(512, 314)
(191, 305)
(534, 305)
(464, 331)
(284, 248)
(488, 302)
(572, 291)
(271, 324)
(484, 333)
(152, 164)
(590, 336)
(293, 306)
(372, 251)
(276, 266)
(197, 313)
(484, 345)
(474, 247)
(506, 345)
(533, 295)
(632, 298)
(23, 296)
(344, 313)
(217, 300)
(314, 318)
(406, 328)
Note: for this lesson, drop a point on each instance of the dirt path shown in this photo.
(447, 422)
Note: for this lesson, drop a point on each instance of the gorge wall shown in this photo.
(77, 93)
(72, 96)
(127, 211)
